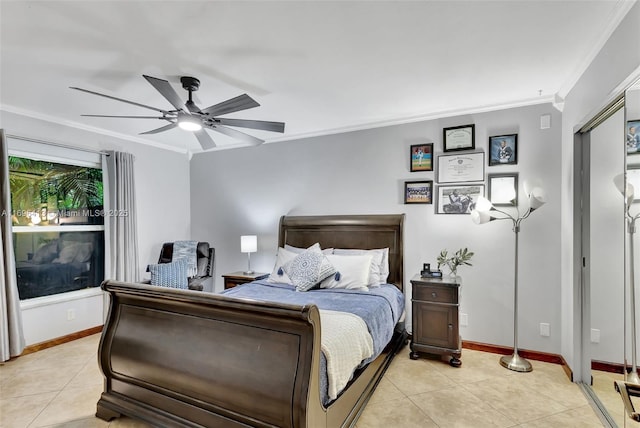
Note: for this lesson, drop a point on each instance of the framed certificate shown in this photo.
(459, 168)
(459, 138)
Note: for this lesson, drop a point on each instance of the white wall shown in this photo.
(604, 78)
(246, 191)
(163, 212)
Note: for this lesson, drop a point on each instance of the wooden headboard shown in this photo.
(349, 231)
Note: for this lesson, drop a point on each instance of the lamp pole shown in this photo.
(515, 361)
(486, 212)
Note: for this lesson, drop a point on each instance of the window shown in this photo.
(58, 226)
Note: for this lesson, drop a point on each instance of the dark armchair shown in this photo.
(206, 254)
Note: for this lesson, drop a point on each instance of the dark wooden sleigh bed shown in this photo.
(193, 359)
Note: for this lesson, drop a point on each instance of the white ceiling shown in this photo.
(319, 66)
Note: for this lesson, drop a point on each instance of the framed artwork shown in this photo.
(503, 189)
(633, 137)
(459, 168)
(421, 156)
(418, 192)
(459, 199)
(459, 138)
(633, 178)
(503, 150)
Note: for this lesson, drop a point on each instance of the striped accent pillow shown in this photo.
(172, 274)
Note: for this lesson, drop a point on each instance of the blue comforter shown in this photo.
(380, 308)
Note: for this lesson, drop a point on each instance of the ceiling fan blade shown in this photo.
(124, 117)
(254, 124)
(119, 99)
(166, 90)
(241, 102)
(161, 129)
(237, 134)
(205, 140)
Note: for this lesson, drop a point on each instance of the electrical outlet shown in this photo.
(464, 320)
(595, 335)
(544, 329)
(71, 314)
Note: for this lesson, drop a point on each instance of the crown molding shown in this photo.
(417, 118)
(80, 126)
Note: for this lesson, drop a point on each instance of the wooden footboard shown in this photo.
(183, 358)
(193, 359)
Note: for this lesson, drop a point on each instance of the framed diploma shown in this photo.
(459, 138)
(460, 168)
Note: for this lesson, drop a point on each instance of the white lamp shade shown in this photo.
(626, 189)
(483, 204)
(248, 244)
(537, 198)
(480, 217)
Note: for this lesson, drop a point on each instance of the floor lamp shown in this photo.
(628, 191)
(486, 212)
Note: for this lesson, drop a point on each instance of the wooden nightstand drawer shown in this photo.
(239, 278)
(431, 293)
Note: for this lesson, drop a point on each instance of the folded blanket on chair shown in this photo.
(186, 250)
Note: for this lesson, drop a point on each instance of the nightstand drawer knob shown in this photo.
(434, 294)
(450, 326)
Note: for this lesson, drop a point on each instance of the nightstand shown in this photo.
(434, 306)
(236, 278)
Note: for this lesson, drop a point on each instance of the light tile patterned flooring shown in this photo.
(59, 387)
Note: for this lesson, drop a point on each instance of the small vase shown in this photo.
(453, 271)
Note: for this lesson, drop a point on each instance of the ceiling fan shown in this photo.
(190, 117)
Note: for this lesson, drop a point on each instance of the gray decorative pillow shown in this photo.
(172, 274)
(307, 269)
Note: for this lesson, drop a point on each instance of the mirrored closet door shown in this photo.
(611, 161)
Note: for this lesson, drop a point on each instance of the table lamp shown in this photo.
(248, 244)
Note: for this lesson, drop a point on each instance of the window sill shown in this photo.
(59, 298)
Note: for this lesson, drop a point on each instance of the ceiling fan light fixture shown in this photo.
(189, 123)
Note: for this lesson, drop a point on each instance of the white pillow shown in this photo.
(298, 250)
(278, 274)
(352, 272)
(379, 272)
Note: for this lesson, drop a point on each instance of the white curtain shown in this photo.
(120, 219)
(11, 334)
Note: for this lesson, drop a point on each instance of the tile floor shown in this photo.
(59, 387)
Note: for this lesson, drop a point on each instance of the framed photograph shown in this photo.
(459, 168)
(459, 138)
(633, 137)
(421, 157)
(418, 192)
(633, 178)
(503, 189)
(459, 199)
(503, 150)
